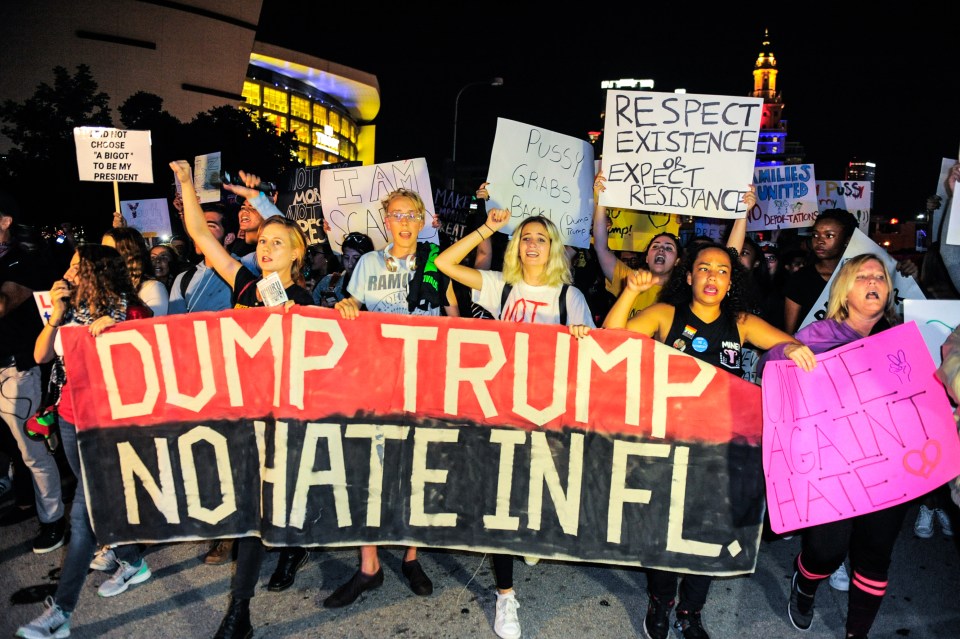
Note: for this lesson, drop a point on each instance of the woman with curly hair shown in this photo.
(702, 312)
(535, 287)
(96, 291)
(131, 245)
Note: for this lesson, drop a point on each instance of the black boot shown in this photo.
(236, 623)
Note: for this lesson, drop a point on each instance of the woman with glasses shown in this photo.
(391, 281)
(535, 287)
(333, 287)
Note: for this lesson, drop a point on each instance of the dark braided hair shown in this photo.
(678, 293)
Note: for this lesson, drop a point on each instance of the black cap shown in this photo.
(9, 207)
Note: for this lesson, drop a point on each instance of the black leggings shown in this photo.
(503, 571)
(250, 552)
(869, 539)
(662, 584)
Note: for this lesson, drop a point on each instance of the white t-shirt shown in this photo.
(154, 295)
(381, 290)
(532, 304)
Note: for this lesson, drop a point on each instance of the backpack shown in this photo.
(185, 280)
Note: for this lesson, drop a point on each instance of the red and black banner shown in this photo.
(307, 429)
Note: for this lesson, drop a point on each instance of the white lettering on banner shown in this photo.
(542, 471)
(268, 341)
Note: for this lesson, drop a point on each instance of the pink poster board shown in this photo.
(870, 427)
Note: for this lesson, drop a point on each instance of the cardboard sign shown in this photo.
(786, 198)
(352, 199)
(300, 201)
(150, 217)
(113, 155)
(935, 319)
(855, 197)
(459, 214)
(904, 287)
(679, 153)
(633, 230)
(206, 177)
(870, 427)
(534, 171)
(429, 431)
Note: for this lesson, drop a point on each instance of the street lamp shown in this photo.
(494, 82)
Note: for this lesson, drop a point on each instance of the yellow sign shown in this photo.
(633, 230)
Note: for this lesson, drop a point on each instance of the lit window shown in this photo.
(251, 93)
(300, 107)
(274, 99)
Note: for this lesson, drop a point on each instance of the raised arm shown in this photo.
(605, 256)
(449, 260)
(196, 226)
(60, 298)
(636, 283)
(738, 232)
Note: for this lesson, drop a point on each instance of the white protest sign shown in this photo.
(351, 199)
(534, 171)
(45, 306)
(150, 217)
(903, 287)
(941, 191)
(679, 153)
(936, 319)
(206, 177)
(953, 222)
(113, 155)
(786, 198)
(851, 196)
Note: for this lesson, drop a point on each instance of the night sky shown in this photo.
(855, 85)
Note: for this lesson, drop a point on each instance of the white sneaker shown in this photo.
(105, 560)
(125, 576)
(531, 561)
(840, 580)
(944, 520)
(54, 622)
(507, 623)
(923, 528)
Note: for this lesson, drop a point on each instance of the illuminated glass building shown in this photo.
(195, 57)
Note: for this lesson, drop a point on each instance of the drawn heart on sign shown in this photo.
(919, 462)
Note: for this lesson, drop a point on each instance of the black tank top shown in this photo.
(716, 343)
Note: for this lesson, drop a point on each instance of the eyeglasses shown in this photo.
(412, 217)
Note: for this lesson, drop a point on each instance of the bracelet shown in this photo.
(477, 231)
(491, 230)
(54, 325)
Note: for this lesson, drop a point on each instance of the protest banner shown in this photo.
(459, 213)
(850, 196)
(868, 428)
(633, 230)
(300, 201)
(150, 217)
(113, 155)
(352, 199)
(534, 171)
(935, 319)
(306, 429)
(679, 153)
(904, 286)
(207, 180)
(785, 198)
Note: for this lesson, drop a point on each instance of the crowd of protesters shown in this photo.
(749, 290)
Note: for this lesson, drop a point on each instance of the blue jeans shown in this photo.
(83, 543)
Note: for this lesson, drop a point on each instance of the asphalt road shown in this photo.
(186, 598)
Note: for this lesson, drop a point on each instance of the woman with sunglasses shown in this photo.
(333, 287)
